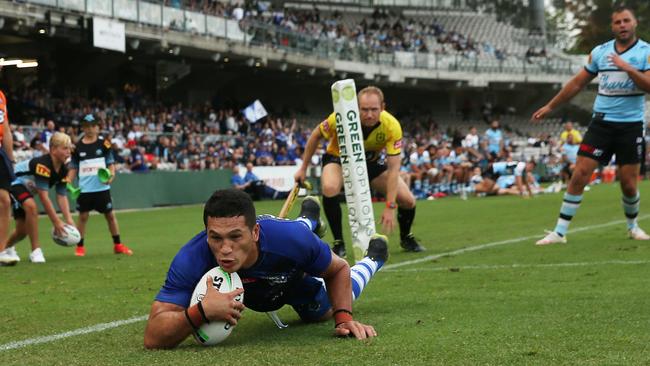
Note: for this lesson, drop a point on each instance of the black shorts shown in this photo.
(6, 171)
(604, 139)
(566, 168)
(98, 201)
(19, 194)
(374, 168)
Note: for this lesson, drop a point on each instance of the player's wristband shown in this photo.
(341, 316)
(189, 321)
(205, 318)
(194, 317)
(391, 205)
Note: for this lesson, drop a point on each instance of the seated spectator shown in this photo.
(254, 186)
(137, 161)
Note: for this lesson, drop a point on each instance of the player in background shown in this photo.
(501, 176)
(281, 262)
(7, 256)
(35, 177)
(91, 154)
(569, 151)
(381, 131)
(617, 121)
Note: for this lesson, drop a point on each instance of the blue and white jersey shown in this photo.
(442, 160)
(88, 159)
(288, 250)
(516, 168)
(619, 99)
(39, 174)
(419, 159)
(457, 159)
(494, 138)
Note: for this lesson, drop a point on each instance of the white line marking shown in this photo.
(104, 326)
(498, 243)
(92, 329)
(517, 265)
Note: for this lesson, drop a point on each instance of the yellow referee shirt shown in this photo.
(386, 134)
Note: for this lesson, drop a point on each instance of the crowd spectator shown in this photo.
(146, 135)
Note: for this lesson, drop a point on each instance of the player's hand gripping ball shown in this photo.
(73, 237)
(215, 332)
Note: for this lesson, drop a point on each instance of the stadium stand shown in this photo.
(189, 136)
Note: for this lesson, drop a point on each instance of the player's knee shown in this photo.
(581, 175)
(407, 202)
(331, 189)
(5, 200)
(110, 217)
(29, 206)
(628, 187)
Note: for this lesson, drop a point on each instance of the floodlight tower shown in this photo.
(537, 17)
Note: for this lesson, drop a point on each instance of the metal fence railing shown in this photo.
(257, 33)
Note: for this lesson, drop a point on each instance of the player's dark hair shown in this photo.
(230, 203)
(621, 8)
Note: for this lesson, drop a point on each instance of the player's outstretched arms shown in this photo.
(339, 289)
(573, 87)
(541, 113)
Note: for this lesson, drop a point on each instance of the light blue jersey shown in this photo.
(571, 152)
(514, 168)
(494, 138)
(619, 99)
(506, 181)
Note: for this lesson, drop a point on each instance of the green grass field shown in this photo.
(481, 294)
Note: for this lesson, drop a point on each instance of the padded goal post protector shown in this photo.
(353, 163)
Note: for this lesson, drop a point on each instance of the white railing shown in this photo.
(153, 14)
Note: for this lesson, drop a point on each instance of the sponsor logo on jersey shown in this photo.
(326, 125)
(381, 137)
(82, 154)
(43, 171)
(397, 144)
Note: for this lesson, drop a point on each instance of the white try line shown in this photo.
(104, 326)
(516, 265)
(499, 243)
(92, 329)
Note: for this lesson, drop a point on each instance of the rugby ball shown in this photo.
(216, 331)
(73, 237)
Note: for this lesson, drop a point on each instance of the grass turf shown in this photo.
(509, 303)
